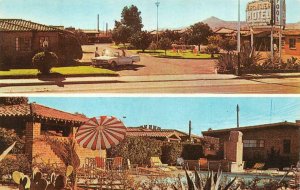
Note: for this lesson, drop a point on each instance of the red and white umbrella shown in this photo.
(101, 133)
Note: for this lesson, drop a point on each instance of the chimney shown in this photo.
(106, 31)
(190, 131)
(98, 23)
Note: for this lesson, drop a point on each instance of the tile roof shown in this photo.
(142, 132)
(40, 112)
(23, 25)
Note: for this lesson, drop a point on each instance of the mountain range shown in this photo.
(216, 23)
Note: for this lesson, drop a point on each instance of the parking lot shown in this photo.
(156, 66)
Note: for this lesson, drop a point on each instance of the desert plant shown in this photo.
(249, 58)
(44, 61)
(8, 137)
(212, 182)
(226, 63)
(66, 151)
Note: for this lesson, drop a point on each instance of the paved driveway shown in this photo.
(157, 66)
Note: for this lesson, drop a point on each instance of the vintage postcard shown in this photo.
(149, 143)
(150, 46)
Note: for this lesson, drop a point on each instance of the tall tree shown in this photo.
(141, 40)
(131, 17)
(199, 33)
(165, 44)
(13, 100)
(120, 33)
(174, 36)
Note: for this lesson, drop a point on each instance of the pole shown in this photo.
(157, 5)
(280, 45)
(239, 38)
(237, 116)
(272, 48)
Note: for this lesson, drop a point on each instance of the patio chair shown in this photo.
(100, 163)
(117, 163)
(203, 164)
(156, 162)
(133, 168)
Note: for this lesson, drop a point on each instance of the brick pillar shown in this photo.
(33, 131)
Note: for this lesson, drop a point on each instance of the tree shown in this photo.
(198, 34)
(69, 48)
(131, 17)
(121, 33)
(213, 45)
(141, 40)
(228, 44)
(81, 36)
(172, 35)
(165, 44)
(13, 100)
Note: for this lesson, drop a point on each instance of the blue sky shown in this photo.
(173, 13)
(175, 113)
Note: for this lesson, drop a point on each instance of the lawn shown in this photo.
(65, 71)
(175, 55)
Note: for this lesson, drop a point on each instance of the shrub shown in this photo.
(139, 150)
(44, 61)
(226, 63)
(12, 163)
(7, 138)
(69, 48)
(170, 153)
(212, 49)
(152, 46)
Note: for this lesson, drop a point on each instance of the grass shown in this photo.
(171, 54)
(65, 71)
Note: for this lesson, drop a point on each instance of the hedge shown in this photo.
(139, 150)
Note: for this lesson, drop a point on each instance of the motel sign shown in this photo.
(266, 13)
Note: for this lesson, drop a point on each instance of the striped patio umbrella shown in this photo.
(101, 133)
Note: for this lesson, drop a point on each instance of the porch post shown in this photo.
(33, 130)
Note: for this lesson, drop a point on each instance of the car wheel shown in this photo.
(113, 65)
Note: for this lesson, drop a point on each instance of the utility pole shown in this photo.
(157, 5)
(239, 38)
(190, 131)
(237, 116)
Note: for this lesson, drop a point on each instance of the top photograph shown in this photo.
(150, 46)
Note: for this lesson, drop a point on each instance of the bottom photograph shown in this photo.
(173, 143)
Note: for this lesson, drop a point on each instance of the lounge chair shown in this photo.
(156, 162)
(258, 166)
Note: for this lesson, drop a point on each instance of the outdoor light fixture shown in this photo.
(157, 5)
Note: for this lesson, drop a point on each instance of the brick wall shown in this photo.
(273, 137)
(292, 52)
(8, 43)
(42, 152)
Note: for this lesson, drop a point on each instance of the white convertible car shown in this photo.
(114, 59)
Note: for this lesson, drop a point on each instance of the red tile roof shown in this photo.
(40, 112)
(23, 25)
(142, 132)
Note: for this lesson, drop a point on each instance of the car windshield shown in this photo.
(109, 53)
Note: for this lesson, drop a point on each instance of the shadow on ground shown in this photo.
(53, 77)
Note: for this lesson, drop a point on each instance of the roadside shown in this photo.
(131, 79)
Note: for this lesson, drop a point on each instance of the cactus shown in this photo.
(57, 182)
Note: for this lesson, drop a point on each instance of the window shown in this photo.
(23, 44)
(292, 43)
(44, 40)
(286, 146)
(254, 143)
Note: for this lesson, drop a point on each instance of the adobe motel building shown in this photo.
(259, 139)
(34, 121)
(21, 39)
